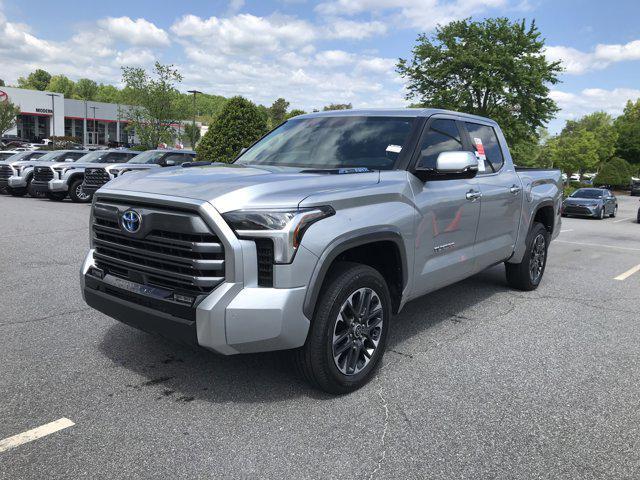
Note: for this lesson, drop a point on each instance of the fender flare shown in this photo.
(340, 245)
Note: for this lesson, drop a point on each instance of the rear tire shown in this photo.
(527, 274)
(601, 216)
(56, 196)
(76, 194)
(615, 212)
(348, 334)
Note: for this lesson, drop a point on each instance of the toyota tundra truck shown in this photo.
(96, 177)
(19, 184)
(61, 179)
(9, 166)
(320, 232)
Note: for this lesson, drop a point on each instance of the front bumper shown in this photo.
(58, 186)
(17, 182)
(234, 318)
(581, 210)
(41, 187)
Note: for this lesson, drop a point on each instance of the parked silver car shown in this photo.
(591, 202)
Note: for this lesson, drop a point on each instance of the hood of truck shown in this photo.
(233, 187)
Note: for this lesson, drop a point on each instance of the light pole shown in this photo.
(94, 123)
(193, 129)
(53, 119)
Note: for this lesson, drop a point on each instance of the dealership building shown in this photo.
(47, 114)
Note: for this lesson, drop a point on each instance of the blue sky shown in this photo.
(311, 53)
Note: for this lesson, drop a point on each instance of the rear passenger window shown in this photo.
(485, 142)
(118, 158)
(178, 158)
(443, 136)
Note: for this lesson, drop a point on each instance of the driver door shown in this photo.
(448, 212)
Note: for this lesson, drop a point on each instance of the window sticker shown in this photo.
(394, 148)
(480, 154)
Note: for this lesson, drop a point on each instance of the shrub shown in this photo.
(238, 125)
(616, 173)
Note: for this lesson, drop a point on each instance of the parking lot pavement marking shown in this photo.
(628, 273)
(567, 230)
(623, 220)
(600, 245)
(34, 434)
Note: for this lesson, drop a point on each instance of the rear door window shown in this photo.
(486, 145)
(178, 158)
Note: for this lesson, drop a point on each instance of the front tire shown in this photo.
(527, 274)
(615, 212)
(76, 194)
(601, 215)
(348, 334)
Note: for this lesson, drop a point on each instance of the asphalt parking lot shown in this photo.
(480, 381)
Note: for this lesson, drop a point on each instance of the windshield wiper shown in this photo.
(338, 171)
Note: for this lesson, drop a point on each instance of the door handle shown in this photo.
(473, 195)
(515, 189)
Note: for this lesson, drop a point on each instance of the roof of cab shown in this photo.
(392, 112)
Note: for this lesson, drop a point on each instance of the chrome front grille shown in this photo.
(5, 172)
(42, 174)
(96, 177)
(174, 250)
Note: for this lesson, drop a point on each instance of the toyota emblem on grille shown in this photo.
(131, 221)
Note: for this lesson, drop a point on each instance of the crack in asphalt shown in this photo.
(383, 454)
(39, 319)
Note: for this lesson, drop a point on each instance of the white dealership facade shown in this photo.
(46, 114)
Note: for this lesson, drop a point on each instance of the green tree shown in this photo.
(37, 80)
(86, 89)
(278, 112)
(1, 82)
(616, 172)
(576, 152)
(107, 93)
(628, 127)
(61, 84)
(601, 125)
(337, 106)
(154, 99)
(192, 134)
(238, 126)
(294, 113)
(8, 116)
(494, 68)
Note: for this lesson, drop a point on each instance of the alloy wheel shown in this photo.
(357, 331)
(80, 193)
(538, 256)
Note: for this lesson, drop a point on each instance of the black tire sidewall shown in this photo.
(72, 192)
(359, 276)
(537, 229)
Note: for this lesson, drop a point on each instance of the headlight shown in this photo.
(285, 227)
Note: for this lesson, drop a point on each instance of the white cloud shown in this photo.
(138, 32)
(334, 58)
(245, 33)
(576, 105)
(235, 6)
(578, 62)
(341, 28)
(421, 14)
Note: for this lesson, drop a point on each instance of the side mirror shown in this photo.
(451, 165)
(169, 163)
(68, 159)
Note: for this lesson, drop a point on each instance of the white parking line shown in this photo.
(628, 273)
(34, 434)
(599, 245)
(623, 220)
(567, 230)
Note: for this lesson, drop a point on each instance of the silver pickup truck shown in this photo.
(317, 235)
(58, 180)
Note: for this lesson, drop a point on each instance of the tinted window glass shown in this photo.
(75, 155)
(178, 158)
(484, 139)
(120, 157)
(332, 142)
(443, 136)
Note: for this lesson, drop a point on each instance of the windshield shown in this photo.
(150, 156)
(5, 155)
(332, 142)
(587, 193)
(51, 156)
(99, 156)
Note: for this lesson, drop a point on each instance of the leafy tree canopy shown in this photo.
(337, 106)
(37, 80)
(238, 125)
(86, 89)
(8, 116)
(616, 172)
(295, 112)
(494, 68)
(601, 125)
(278, 112)
(627, 126)
(576, 152)
(61, 84)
